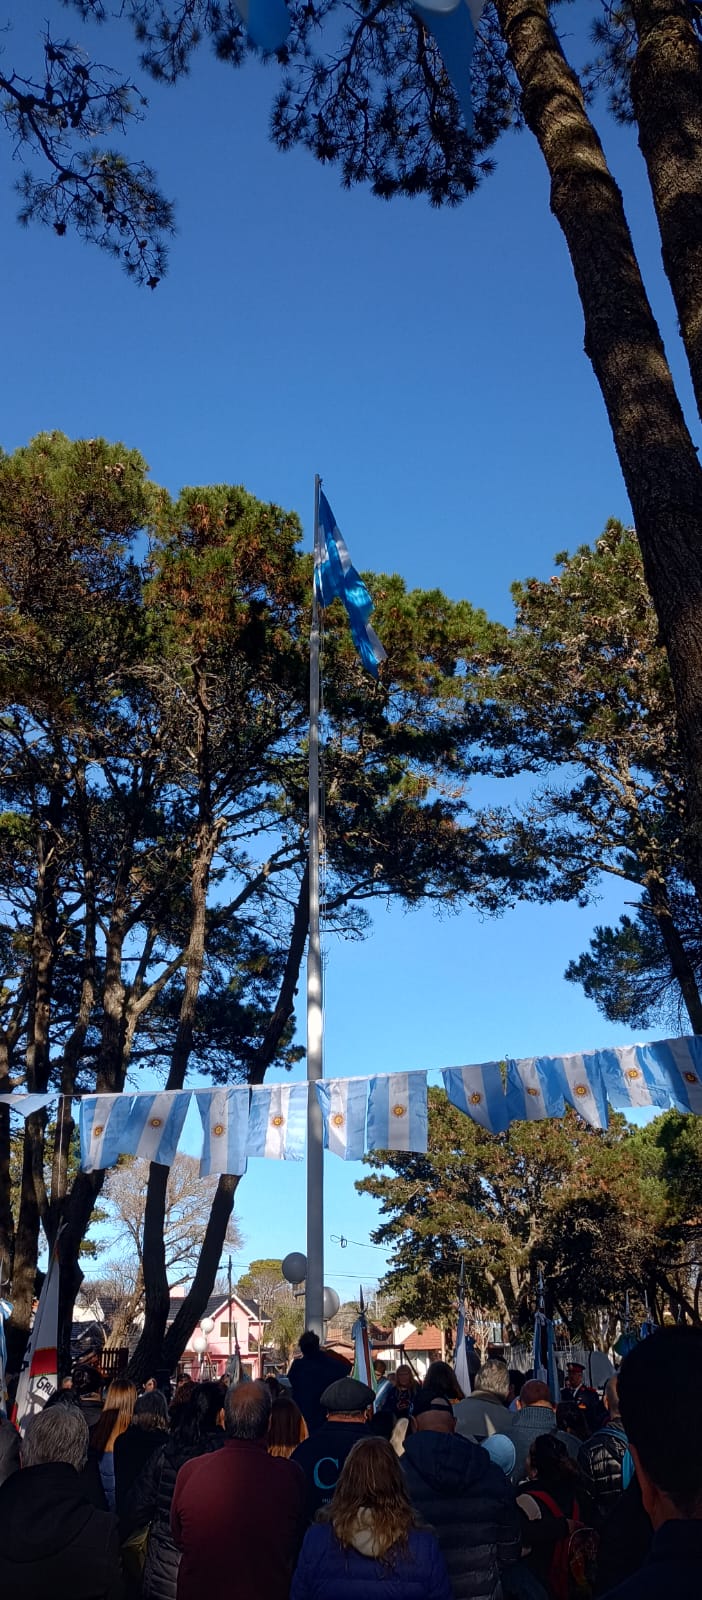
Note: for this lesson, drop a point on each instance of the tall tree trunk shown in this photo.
(681, 965)
(656, 453)
(194, 1303)
(666, 92)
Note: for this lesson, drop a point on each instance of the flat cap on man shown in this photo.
(347, 1394)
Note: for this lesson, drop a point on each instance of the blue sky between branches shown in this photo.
(430, 366)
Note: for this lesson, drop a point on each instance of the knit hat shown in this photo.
(501, 1450)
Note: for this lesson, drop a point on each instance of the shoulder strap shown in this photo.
(548, 1501)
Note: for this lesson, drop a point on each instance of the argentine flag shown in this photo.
(336, 579)
(278, 1121)
(224, 1114)
(583, 1086)
(155, 1125)
(633, 1076)
(343, 1103)
(397, 1112)
(102, 1120)
(453, 24)
(26, 1104)
(534, 1090)
(478, 1092)
(679, 1064)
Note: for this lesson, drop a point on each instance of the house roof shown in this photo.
(430, 1339)
(216, 1305)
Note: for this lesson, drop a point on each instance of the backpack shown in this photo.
(627, 1458)
(574, 1560)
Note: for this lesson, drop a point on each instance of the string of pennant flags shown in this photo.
(387, 1112)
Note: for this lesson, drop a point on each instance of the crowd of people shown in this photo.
(316, 1488)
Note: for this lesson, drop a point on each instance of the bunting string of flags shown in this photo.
(384, 1112)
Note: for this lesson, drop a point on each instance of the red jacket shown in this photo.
(238, 1517)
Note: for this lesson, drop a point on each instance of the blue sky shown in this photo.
(430, 366)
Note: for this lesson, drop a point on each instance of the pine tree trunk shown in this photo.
(666, 92)
(658, 459)
(680, 963)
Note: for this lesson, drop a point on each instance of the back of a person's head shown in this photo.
(86, 1381)
(198, 1415)
(516, 1380)
(441, 1379)
(116, 1414)
(151, 1410)
(371, 1481)
(570, 1419)
(493, 1377)
(247, 1411)
(550, 1460)
(309, 1343)
(60, 1434)
(660, 1400)
(611, 1396)
(287, 1426)
(534, 1393)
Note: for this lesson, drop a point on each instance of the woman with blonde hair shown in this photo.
(117, 1413)
(288, 1427)
(367, 1543)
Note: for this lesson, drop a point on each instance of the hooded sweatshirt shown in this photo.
(53, 1542)
(468, 1502)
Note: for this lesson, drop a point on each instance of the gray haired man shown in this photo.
(52, 1541)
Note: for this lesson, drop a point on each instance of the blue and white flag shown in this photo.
(26, 1104)
(224, 1114)
(534, 1090)
(337, 579)
(267, 22)
(583, 1086)
(479, 1092)
(278, 1121)
(633, 1078)
(103, 1121)
(679, 1064)
(343, 1103)
(5, 1314)
(452, 24)
(155, 1125)
(460, 1356)
(397, 1112)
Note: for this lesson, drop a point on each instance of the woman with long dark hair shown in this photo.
(116, 1416)
(368, 1540)
(554, 1505)
(288, 1428)
(196, 1430)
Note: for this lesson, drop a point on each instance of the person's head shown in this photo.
(570, 1419)
(404, 1378)
(371, 1481)
(150, 1385)
(183, 1393)
(576, 1373)
(347, 1400)
(548, 1460)
(59, 1434)
(611, 1397)
(116, 1414)
(274, 1385)
(534, 1393)
(500, 1448)
(86, 1381)
(151, 1411)
(660, 1398)
(493, 1378)
(516, 1382)
(247, 1411)
(309, 1343)
(287, 1428)
(441, 1379)
(434, 1413)
(198, 1415)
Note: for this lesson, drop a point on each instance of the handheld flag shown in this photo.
(460, 1359)
(336, 578)
(39, 1372)
(5, 1313)
(363, 1365)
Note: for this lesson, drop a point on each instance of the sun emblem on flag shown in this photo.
(218, 1129)
(632, 1073)
(582, 1090)
(98, 1129)
(691, 1077)
(475, 1098)
(155, 1122)
(277, 1122)
(338, 1120)
(534, 1092)
(399, 1110)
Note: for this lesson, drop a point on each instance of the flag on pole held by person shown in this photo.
(337, 579)
(460, 1359)
(39, 1372)
(363, 1370)
(5, 1314)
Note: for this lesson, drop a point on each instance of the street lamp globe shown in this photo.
(294, 1267)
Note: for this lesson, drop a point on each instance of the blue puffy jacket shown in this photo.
(325, 1571)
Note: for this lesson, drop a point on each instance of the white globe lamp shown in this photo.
(207, 1324)
(199, 1344)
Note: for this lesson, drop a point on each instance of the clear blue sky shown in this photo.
(430, 366)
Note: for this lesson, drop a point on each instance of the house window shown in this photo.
(224, 1330)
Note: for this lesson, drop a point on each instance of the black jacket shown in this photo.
(132, 1451)
(309, 1376)
(322, 1457)
(468, 1502)
(53, 1542)
(600, 1461)
(149, 1504)
(9, 1449)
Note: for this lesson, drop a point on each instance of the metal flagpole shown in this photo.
(314, 1283)
(229, 1284)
